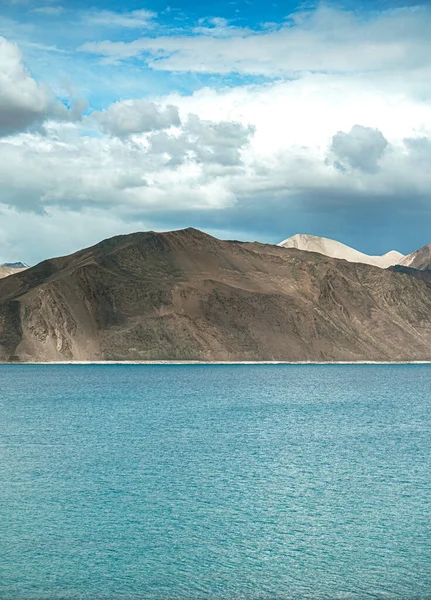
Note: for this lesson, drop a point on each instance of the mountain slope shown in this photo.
(420, 259)
(11, 268)
(335, 249)
(187, 295)
(15, 265)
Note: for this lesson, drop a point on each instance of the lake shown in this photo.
(219, 482)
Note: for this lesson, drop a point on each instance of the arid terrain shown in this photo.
(185, 295)
(6, 270)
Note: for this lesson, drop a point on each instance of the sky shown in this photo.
(251, 120)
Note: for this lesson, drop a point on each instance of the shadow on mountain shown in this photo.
(185, 295)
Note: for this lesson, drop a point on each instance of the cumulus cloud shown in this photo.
(419, 149)
(136, 116)
(69, 169)
(248, 159)
(23, 101)
(204, 141)
(250, 147)
(361, 148)
(191, 139)
(218, 143)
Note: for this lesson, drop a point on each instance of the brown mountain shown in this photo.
(10, 269)
(187, 295)
(419, 259)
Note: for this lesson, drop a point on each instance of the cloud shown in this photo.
(190, 139)
(50, 11)
(204, 142)
(24, 103)
(219, 27)
(361, 148)
(135, 19)
(419, 150)
(226, 153)
(342, 136)
(136, 116)
(217, 142)
(111, 172)
(319, 40)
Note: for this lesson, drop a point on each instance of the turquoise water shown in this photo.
(215, 482)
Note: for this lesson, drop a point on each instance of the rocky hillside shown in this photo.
(420, 259)
(187, 295)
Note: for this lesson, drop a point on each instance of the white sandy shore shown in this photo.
(201, 362)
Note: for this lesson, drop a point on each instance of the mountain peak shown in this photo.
(184, 295)
(334, 249)
(15, 265)
(395, 254)
(419, 259)
(11, 268)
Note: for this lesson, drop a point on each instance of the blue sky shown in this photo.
(250, 120)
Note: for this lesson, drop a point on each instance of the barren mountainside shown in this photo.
(420, 259)
(10, 269)
(185, 295)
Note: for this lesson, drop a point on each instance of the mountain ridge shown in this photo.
(335, 249)
(185, 295)
(419, 259)
(8, 269)
(15, 265)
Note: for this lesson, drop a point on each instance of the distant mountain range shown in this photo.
(185, 295)
(420, 259)
(7, 269)
(15, 265)
(328, 247)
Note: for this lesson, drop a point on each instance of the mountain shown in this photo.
(420, 259)
(15, 265)
(11, 268)
(313, 243)
(186, 295)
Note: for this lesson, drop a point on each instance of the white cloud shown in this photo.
(136, 116)
(361, 148)
(219, 28)
(247, 154)
(208, 162)
(324, 39)
(66, 168)
(23, 101)
(135, 19)
(50, 11)
(204, 142)
(228, 149)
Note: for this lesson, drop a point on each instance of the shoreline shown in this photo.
(223, 362)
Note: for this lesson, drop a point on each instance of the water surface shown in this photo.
(216, 482)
